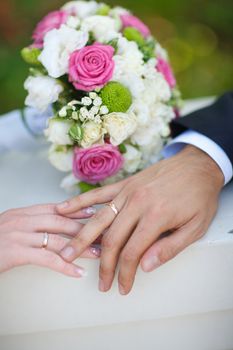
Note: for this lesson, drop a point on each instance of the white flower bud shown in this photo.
(97, 101)
(62, 113)
(86, 101)
(104, 110)
(93, 95)
(84, 112)
(94, 110)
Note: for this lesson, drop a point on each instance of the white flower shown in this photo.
(133, 159)
(42, 91)
(63, 112)
(93, 95)
(73, 22)
(161, 52)
(104, 28)
(57, 131)
(82, 9)
(142, 112)
(94, 110)
(58, 46)
(97, 101)
(92, 133)
(86, 101)
(119, 126)
(69, 184)
(118, 11)
(156, 89)
(61, 158)
(104, 110)
(84, 112)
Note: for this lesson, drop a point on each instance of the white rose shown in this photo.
(61, 158)
(133, 159)
(58, 46)
(69, 184)
(119, 126)
(42, 91)
(82, 9)
(104, 28)
(57, 131)
(92, 133)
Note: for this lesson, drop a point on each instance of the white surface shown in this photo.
(202, 142)
(191, 295)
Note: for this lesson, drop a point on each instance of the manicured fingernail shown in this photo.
(81, 272)
(101, 286)
(63, 205)
(89, 211)
(96, 251)
(151, 263)
(122, 289)
(67, 252)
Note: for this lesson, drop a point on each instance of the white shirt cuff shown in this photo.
(194, 138)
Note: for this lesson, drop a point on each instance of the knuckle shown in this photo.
(107, 242)
(105, 271)
(167, 254)
(128, 256)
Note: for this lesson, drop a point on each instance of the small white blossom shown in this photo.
(86, 101)
(94, 110)
(84, 112)
(104, 110)
(97, 101)
(62, 112)
(74, 115)
(93, 95)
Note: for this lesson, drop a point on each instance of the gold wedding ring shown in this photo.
(45, 240)
(113, 207)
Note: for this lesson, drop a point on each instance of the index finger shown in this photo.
(99, 222)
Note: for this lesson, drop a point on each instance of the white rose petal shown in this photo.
(62, 160)
(57, 131)
(133, 159)
(82, 9)
(42, 91)
(92, 133)
(58, 46)
(119, 126)
(104, 28)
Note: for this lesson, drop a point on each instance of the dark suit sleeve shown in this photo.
(215, 122)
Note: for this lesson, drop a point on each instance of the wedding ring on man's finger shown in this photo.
(45, 240)
(113, 207)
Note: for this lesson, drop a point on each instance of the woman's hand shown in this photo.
(178, 195)
(22, 233)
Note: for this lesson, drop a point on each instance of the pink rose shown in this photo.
(53, 20)
(91, 67)
(96, 163)
(165, 68)
(132, 21)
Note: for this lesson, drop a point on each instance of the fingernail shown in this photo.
(151, 263)
(89, 211)
(122, 289)
(96, 251)
(81, 272)
(63, 205)
(67, 252)
(101, 286)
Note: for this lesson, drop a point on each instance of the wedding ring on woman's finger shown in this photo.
(113, 207)
(45, 240)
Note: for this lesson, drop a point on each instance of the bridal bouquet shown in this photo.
(112, 90)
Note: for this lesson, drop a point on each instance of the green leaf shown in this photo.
(30, 56)
(114, 44)
(122, 148)
(103, 10)
(76, 132)
(85, 187)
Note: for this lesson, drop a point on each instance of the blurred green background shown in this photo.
(197, 33)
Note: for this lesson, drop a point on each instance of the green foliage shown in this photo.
(116, 97)
(85, 187)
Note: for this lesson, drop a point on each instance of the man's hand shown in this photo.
(177, 195)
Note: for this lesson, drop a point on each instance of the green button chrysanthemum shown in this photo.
(116, 97)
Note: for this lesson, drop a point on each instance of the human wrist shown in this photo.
(208, 164)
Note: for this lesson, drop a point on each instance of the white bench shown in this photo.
(185, 304)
